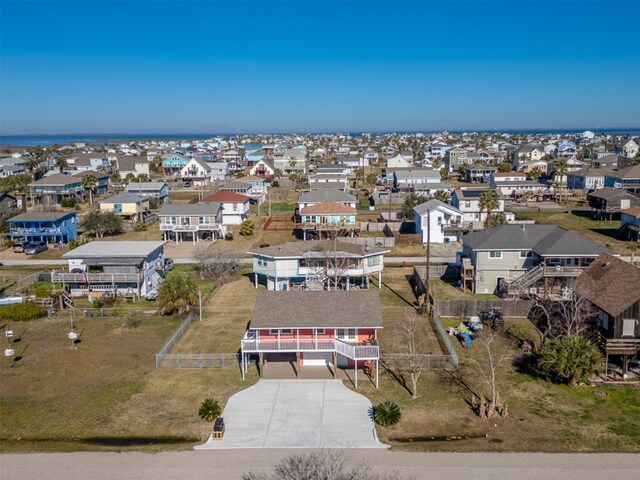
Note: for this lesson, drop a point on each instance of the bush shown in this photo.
(9, 243)
(43, 290)
(387, 413)
(68, 202)
(22, 312)
(209, 409)
(76, 243)
(97, 303)
(573, 359)
(275, 184)
(229, 236)
(246, 228)
(139, 227)
(131, 322)
(154, 204)
(262, 245)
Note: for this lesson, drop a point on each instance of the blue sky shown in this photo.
(223, 67)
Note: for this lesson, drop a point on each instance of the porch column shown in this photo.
(242, 363)
(347, 283)
(255, 279)
(377, 368)
(379, 279)
(355, 369)
(193, 238)
(297, 364)
(335, 363)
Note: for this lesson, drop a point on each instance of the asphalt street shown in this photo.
(231, 464)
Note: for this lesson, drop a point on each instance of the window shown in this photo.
(172, 220)
(373, 261)
(346, 334)
(319, 331)
(262, 262)
(526, 254)
(628, 327)
(204, 220)
(495, 254)
(186, 220)
(235, 207)
(467, 203)
(281, 331)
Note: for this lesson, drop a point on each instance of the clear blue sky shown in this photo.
(205, 67)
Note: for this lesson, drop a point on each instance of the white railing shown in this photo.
(355, 352)
(190, 228)
(96, 277)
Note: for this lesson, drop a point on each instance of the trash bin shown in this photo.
(88, 314)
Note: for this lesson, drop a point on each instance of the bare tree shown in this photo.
(413, 337)
(492, 359)
(323, 465)
(329, 264)
(215, 263)
(573, 316)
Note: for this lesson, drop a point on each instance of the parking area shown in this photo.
(297, 414)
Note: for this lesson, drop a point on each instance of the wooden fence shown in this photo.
(370, 241)
(468, 307)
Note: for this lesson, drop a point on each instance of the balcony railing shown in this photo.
(619, 346)
(355, 352)
(328, 226)
(97, 277)
(190, 228)
(39, 231)
(560, 271)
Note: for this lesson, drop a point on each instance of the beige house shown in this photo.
(126, 204)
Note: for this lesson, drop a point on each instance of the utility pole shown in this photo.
(427, 261)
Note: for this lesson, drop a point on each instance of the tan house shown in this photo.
(126, 204)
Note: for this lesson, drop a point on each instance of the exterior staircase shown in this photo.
(526, 280)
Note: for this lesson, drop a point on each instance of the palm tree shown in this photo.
(535, 173)
(129, 177)
(489, 201)
(62, 164)
(177, 294)
(632, 247)
(573, 358)
(209, 410)
(387, 413)
(442, 195)
(560, 168)
(143, 177)
(89, 182)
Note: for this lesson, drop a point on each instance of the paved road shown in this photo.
(230, 464)
(390, 260)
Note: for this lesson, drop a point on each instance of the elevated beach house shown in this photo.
(317, 265)
(151, 190)
(116, 267)
(50, 227)
(126, 204)
(315, 329)
(195, 222)
(327, 220)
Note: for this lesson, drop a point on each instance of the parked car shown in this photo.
(168, 264)
(35, 247)
(18, 247)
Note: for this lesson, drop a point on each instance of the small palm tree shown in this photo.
(209, 410)
(535, 173)
(89, 182)
(62, 164)
(387, 413)
(632, 247)
(573, 358)
(177, 294)
(560, 168)
(441, 195)
(489, 201)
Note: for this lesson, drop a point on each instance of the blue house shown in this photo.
(627, 178)
(51, 227)
(158, 190)
(174, 163)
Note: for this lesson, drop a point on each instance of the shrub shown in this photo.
(22, 312)
(9, 243)
(139, 227)
(209, 409)
(229, 236)
(43, 290)
(97, 303)
(153, 204)
(262, 245)
(131, 322)
(387, 413)
(275, 184)
(68, 202)
(246, 228)
(571, 358)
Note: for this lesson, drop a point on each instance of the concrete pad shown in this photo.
(297, 414)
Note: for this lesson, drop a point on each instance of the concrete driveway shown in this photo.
(297, 414)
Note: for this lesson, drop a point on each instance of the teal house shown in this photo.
(173, 163)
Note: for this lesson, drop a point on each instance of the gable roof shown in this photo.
(190, 209)
(43, 216)
(543, 239)
(632, 172)
(124, 197)
(114, 248)
(138, 186)
(607, 283)
(236, 185)
(328, 208)
(434, 204)
(634, 212)
(317, 309)
(327, 195)
(226, 197)
(57, 179)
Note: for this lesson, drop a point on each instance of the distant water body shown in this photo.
(49, 140)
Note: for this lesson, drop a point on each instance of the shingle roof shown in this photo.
(35, 216)
(315, 248)
(317, 309)
(132, 248)
(327, 195)
(190, 209)
(328, 208)
(629, 172)
(138, 186)
(124, 197)
(610, 284)
(433, 204)
(542, 239)
(609, 193)
(236, 186)
(222, 196)
(57, 179)
(634, 212)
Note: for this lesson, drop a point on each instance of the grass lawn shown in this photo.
(542, 416)
(602, 232)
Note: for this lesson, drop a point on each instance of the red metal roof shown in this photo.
(224, 196)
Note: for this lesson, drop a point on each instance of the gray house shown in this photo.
(526, 260)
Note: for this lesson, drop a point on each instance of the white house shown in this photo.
(398, 162)
(234, 206)
(197, 171)
(437, 222)
(467, 200)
